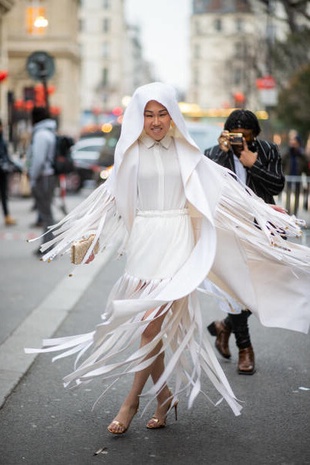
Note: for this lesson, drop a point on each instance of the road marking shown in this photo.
(18, 236)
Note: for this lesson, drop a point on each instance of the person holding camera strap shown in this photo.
(257, 164)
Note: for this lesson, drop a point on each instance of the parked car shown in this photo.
(106, 159)
(94, 156)
(85, 154)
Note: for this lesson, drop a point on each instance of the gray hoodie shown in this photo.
(42, 150)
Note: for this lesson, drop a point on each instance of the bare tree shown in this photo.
(294, 9)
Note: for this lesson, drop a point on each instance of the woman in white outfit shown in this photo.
(183, 223)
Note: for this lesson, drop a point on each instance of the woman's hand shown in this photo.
(90, 259)
(278, 208)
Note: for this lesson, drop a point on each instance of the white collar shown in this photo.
(150, 142)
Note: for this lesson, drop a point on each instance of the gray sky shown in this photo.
(164, 31)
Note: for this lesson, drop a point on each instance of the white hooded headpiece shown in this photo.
(122, 182)
(133, 120)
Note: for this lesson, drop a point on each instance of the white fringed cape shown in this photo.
(239, 247)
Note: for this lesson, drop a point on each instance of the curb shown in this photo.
(42, 323)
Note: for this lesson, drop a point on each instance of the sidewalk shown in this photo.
(36, 296)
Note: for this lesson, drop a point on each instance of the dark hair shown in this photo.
(39, 114)
(298, 139)
(243, 119)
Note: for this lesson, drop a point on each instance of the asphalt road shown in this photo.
(41, 423)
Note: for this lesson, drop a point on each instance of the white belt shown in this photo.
(167, 213)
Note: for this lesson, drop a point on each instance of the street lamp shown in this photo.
(40, 66)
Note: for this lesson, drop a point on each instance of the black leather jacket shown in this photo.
(265, 177)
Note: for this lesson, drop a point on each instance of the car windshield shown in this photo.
(205, 135)
(87, 150)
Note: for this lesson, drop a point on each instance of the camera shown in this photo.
(235, 138)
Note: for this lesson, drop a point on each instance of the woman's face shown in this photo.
(156, 120)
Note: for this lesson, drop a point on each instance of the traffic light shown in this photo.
(39, 96)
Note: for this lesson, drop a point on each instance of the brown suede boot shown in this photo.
(9, 221)
(222, 333)
(246, 362)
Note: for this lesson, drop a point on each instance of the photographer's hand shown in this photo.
(247, 158)
(223, 141)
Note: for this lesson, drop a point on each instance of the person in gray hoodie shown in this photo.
(41, 172)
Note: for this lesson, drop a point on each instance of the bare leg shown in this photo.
(130, 405)
(163, 395)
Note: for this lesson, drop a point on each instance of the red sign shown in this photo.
(3, 75)
(266, 82)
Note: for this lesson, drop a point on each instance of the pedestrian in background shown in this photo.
(6, 166)
(295, 164)
(257, 164)
(41, 171)
(307, 186)
(175, 229)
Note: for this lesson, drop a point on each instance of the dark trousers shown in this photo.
(4, 191)
(292, 190)
(43, 192)
(238, 324)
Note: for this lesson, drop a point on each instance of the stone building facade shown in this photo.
(224, 45)
(230, 44)
(101, 36)
(112, 63)
(50, 26)
(98, 58)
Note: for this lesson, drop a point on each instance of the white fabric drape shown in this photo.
(234, 241)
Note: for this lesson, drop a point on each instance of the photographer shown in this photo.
(257, 164)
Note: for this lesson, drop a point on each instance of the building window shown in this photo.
(197, 51)
(239, 49)
(106, 49)
(106, 25)
(36, 20)
(81, 25)
(105, 77)
(239, 25)
(196, 77)
(29, 94)
(218, 25)
(197, 27)
(237, 76)
(106, 4)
